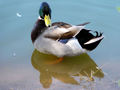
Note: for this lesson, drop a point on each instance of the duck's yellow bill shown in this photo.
(47, 20)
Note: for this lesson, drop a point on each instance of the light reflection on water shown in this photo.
(65, 71)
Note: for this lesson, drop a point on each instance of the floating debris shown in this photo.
(98, 68)
(118, 9)
(18, 14)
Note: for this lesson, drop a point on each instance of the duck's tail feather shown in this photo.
(87, 40)
(83, 24)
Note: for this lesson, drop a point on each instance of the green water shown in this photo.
(23, 68)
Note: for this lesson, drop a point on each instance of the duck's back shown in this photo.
(61, 24)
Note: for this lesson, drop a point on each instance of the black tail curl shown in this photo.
(85, 35)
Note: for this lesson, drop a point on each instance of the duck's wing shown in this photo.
(66, 25)
(61, 30)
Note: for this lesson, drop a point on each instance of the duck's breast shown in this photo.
(49, 46)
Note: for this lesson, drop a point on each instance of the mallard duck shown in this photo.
(62, 39)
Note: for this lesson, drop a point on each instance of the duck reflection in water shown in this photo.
(66, 71)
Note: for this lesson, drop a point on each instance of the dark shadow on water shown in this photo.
(82, 67)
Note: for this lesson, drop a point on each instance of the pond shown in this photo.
(24, 68)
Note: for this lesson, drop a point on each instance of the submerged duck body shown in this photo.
(62, 39)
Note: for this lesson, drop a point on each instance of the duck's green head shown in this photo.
(45, 13)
